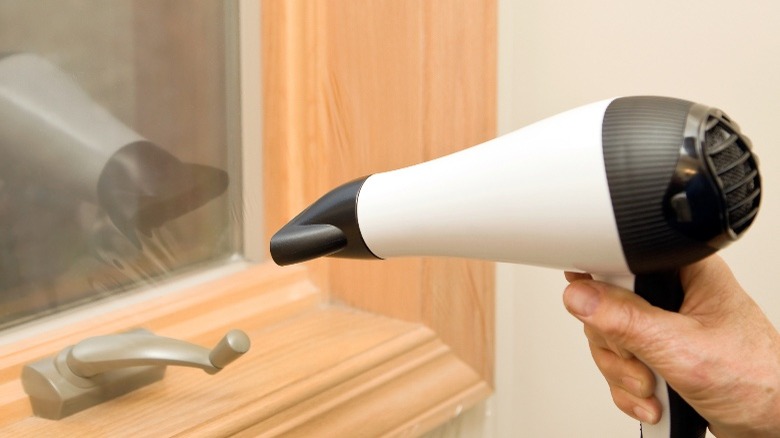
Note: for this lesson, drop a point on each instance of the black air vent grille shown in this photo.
(735, 170)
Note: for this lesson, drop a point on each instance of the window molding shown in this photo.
(251, 96)
(312, 366)
(357, 87)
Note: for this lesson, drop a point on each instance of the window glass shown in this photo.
(119, 162)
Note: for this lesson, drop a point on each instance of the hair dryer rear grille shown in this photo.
(682, 178)
(735, 169)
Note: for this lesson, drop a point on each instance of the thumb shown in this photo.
(621, 317)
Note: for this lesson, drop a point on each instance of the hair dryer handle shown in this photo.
(678, 418)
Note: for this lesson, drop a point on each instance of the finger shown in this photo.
(709, 288)
(631, 375)
(646, 410)
(595, 338)
(710, 273)
(574, 276)
(621, 317)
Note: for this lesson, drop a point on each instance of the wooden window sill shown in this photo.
(313, 366)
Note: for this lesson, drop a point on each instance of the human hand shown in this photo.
(720, 352)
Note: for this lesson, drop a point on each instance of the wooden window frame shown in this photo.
(339, 347)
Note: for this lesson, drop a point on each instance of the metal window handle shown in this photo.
(104, 367)
(100, 354)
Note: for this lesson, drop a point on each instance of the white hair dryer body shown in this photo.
(629, 189)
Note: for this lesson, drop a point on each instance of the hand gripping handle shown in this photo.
(678, 418)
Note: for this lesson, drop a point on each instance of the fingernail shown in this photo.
(644, 415)
(581, 299)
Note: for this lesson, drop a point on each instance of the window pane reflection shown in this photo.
(116, 164)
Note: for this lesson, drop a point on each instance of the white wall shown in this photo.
(554, 55)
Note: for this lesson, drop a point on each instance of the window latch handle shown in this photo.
(101, 368)
(101, 354)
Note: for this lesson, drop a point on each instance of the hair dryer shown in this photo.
(629, 189)
(54, 136)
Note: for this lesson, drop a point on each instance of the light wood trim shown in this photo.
(310, 366)
(356, 87)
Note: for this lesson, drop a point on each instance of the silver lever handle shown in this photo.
(97, 355)
(104, 367)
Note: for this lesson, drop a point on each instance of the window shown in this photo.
(384, 347)
(120, 147)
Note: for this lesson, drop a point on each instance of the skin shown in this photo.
(720, 352)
